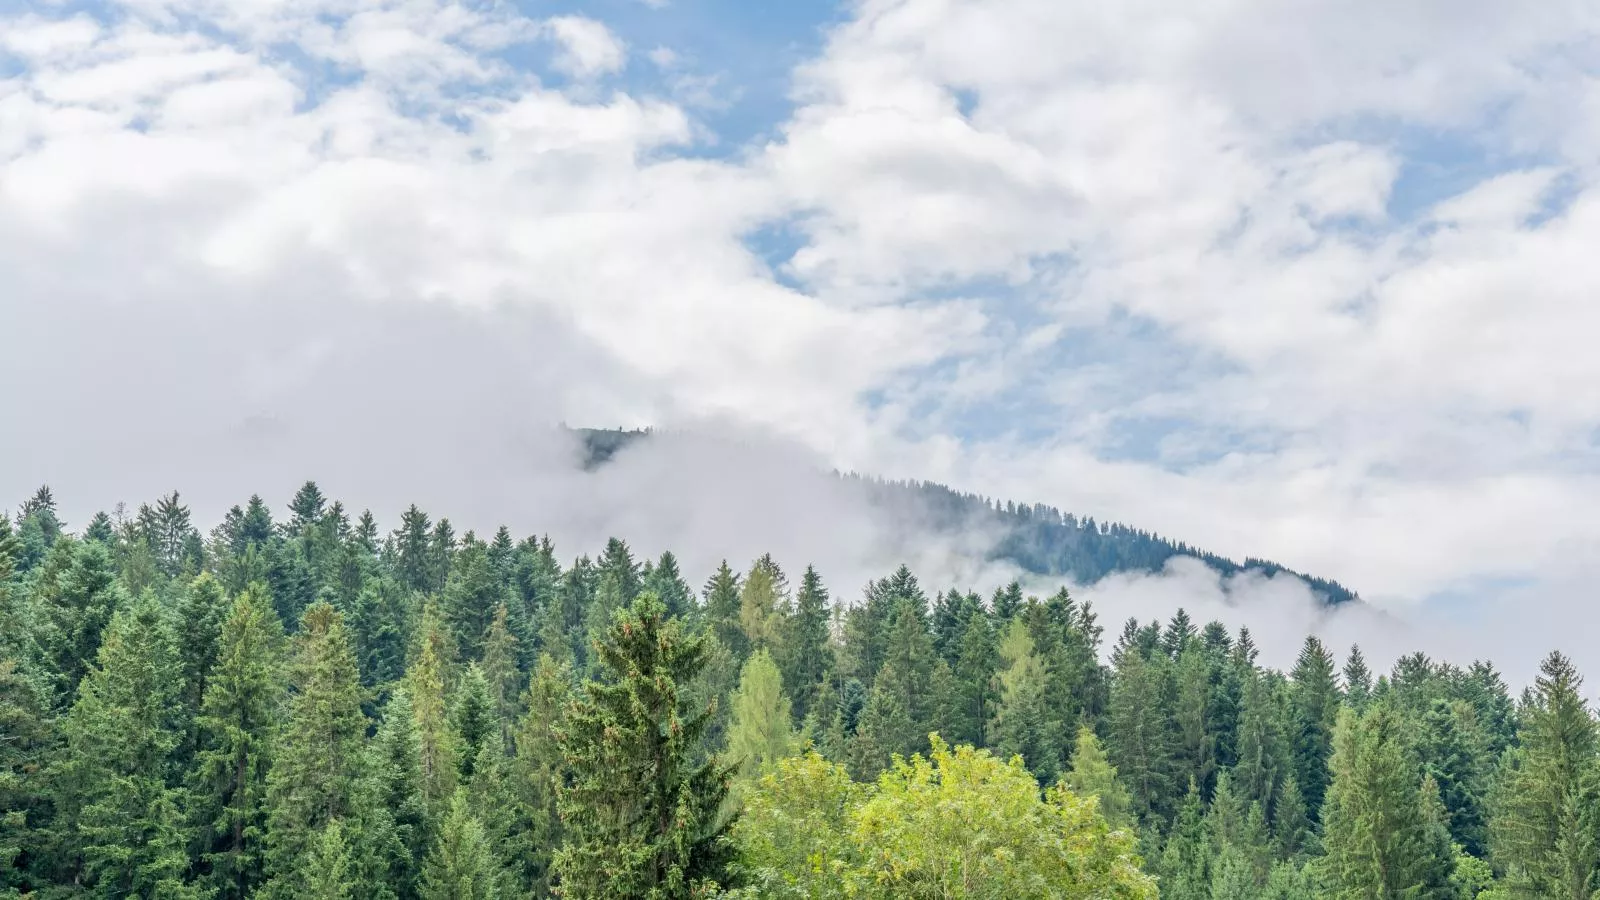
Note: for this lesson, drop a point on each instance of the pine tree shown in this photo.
(396, 767)
(460, 866)
(902, 707)
(319, 761)
(807, 651)
(238, 718)
(974, 671)
(425, 684)
(1142, 733)
(722, 598)
(472, 719)
(1185, 866)
(76, 596)
(201, 612)
(1357, 679)
(328, 871)
(500, 671)
(641, 818)
(413, 562)
(23, 752)
(526, 823)
(1547, 806)
(667, 583)
(1376, 831)
(118, 778)
(470, 597)
(761, 733)
(763, 600)
(1314, 701)
(1448, 749)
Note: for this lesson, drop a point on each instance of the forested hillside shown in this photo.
(309, 704)
(1038, 538)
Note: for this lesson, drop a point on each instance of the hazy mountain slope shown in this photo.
(1037, 538)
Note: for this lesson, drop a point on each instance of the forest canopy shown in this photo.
(305, 704)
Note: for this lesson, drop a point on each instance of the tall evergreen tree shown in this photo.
(1376, 830)
(461, 866)
(640, 816)
(1092, 775)
(722, 597)
(238, 719)
(667, 583)
(1547, 806)
(319, 761)
(118, 780)
(807, 652)
(1142, 732)
(1314, 701)
(396, 768)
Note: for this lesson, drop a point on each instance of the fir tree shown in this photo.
(319, 761)
(473, 719)
(1547, 807)
(1376, 831)
(667, 583)
(460, 866)
(237, 722)
(118, 776)
(501, 673)
(1142, 733)
(1357, 679)
(425, 684)
(807, 652)
(396, 767)
(640, 817)
(1314, 701)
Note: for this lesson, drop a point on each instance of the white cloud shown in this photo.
(588, 47)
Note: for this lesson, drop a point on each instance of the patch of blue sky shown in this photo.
(1436, 165)
(737, 56)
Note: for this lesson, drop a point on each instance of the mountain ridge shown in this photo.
(1038, 538)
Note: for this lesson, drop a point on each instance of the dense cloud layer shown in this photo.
(1314, 286)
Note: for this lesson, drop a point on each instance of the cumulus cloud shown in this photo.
(1194, 268)
(588, 47)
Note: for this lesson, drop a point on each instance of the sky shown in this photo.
(1308, 281)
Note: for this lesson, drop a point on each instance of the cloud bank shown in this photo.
(1312, 285)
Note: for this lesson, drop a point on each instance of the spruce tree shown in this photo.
(1376, 831)
(1547, 803)
(974, 669)
(501, 672)
(396, 770)
(425, 684)
(641, 818)
(473, 719)
(118, 779)
(1357, 678)
(318, 763)
(1314, 701)
(237, 724)
(1142, 733)
(460, 866)
(667, 583)
(807, 651)
(722, 596)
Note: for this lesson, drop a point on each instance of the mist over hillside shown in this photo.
(1036, 538)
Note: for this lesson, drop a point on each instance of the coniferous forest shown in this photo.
(307, 704)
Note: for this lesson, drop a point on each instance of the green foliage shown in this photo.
(1545, 825)
(460, 866)
(238, 720)
(640, 817)
(761, 733)
(958, 823)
